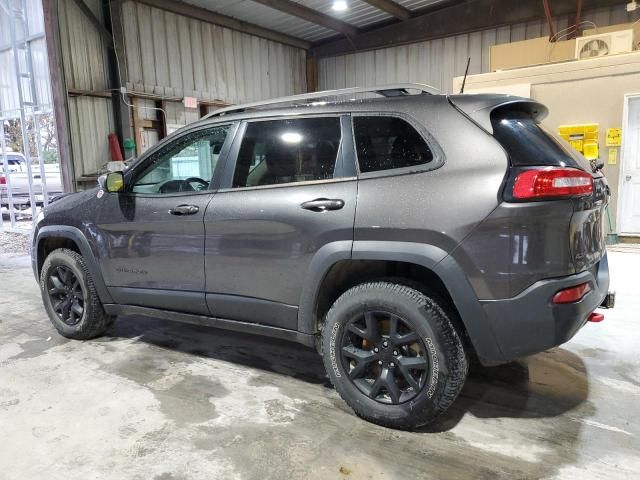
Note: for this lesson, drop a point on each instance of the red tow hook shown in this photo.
(596, 317)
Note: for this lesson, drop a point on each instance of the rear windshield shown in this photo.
(529, 144)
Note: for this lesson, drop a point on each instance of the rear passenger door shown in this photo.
(290, 190)
(395, 204)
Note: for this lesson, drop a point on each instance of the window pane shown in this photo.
(528, 143)
(283, 151)
(184, 165)
(384, 143)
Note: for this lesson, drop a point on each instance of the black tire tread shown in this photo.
(458, 364)
(97, 321)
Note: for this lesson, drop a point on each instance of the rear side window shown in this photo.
(529, 144)
(386, 143)
(286, 151)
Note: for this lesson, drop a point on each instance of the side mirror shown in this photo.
(114, 182)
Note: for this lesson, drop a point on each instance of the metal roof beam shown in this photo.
(453, 19)
(205, 15)
(392, 8)
(311, 15)
(59, 93)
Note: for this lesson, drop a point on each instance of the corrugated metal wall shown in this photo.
(437, 62)
(85, 68)
(177, 115)
(90, 122)
(176, 56)
(169, 56)
(9, 102)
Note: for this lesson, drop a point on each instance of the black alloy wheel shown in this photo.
(70, 297)
(66, 294)
(392, 354)
(384, 357)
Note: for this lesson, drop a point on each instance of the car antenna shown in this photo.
(466, 72)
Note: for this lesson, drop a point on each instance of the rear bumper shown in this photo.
(530, 323)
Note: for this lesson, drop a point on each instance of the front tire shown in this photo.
(70, 297)
(393, 354)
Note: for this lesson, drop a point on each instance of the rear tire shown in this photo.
(393, 354)
(70, 297)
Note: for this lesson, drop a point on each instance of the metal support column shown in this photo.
(23, 48)
(7, 177)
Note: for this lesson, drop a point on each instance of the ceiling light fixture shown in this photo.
(291, 137)
(340, 5)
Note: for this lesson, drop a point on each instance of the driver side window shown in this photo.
(184, 165)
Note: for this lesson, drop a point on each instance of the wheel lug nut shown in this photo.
(395, 352)
(375, 349)
(384, 344)
(379, 362)
(392, 364)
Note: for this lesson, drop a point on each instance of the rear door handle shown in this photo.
(323, 204)
(184, 210)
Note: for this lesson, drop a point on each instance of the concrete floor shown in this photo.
(160, 400)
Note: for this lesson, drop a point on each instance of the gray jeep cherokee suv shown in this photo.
(400, 235)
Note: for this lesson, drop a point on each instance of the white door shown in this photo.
(630, 188)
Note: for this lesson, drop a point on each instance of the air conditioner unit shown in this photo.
(604, 44)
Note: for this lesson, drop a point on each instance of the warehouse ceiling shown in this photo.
(371, 24)
(359, 14)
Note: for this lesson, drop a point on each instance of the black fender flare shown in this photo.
(322, 261)
(429, 256)
(76, 235)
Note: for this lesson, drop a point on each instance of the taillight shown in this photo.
(572, 294)
(552, 182)
(3, 180)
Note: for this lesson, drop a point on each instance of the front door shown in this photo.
(152, 248)
(630, 189)
(290, 195)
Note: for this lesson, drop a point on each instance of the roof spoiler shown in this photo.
(480, 107)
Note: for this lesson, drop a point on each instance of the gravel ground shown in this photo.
(14, 243)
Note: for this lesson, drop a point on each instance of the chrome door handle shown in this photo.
(323, 204)
(184, 210)
(627, 178)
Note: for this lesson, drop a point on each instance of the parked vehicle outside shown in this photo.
(18, 177)
(401, 236)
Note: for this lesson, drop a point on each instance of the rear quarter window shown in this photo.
(389, 143)
(529, 144)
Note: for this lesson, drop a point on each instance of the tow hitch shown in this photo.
(596, 317)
